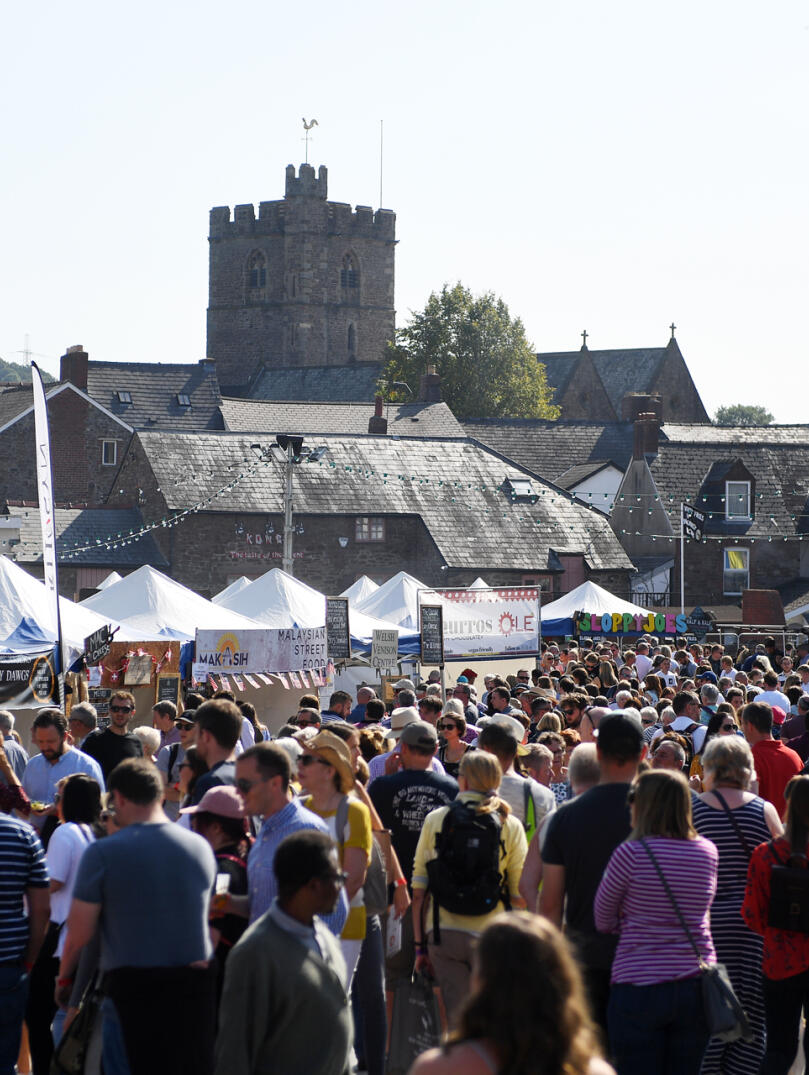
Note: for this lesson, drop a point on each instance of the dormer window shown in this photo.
(183, 399)
(518, 487)
(123, 397)
(737, 500)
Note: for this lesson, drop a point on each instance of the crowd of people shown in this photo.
(561, 852)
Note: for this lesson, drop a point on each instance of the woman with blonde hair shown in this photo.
(445, 938)
(526, 1014)
(656, 893)
(737, 821)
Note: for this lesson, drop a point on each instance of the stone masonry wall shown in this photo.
(77, 430)
(301, 314)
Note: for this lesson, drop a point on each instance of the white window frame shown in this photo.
(734, 570)
(732, 500)
(369, 528)
(104, 461)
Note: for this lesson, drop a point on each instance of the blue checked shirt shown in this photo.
(261, 883)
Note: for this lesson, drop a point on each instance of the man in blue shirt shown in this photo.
(17, 757)
(262, 779)
(55, 760)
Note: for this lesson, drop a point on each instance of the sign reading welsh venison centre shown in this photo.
(488, 623)
(262, 650)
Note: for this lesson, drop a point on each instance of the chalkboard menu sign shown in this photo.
(338, 642)
(431, 623)
(100, 698)
(168, 689)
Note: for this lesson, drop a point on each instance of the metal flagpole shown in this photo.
(682, 559)
(47, 514)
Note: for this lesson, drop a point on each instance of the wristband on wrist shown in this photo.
(28, 967)
(400, 881)
(421, 947)
(62, 982)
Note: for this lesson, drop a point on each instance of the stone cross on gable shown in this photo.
(672, 326)
(584, 338)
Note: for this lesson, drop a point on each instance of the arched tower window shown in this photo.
(350, 273)
(256, 270)
(351, 341)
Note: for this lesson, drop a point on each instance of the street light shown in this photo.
(291, 445)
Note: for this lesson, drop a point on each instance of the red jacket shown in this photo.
(775, 764)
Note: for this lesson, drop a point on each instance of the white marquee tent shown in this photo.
(234, 587)
(154, 607)
(557, 617)
(359, 590)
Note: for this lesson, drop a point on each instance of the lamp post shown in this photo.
(291, 447)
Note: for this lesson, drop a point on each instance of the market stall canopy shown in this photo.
(557, 617)
(27, 620)
(153, 606)
(279, 600)
(113, 577)
(234, 587)
(359, 590)
(395, 600)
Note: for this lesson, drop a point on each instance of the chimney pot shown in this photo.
(430, 386)
(647, 435)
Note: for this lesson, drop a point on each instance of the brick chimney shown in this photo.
(636, 403)
(73, 366)
(376, 423)
(430, 387)
(647, 435)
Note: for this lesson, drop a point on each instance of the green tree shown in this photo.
(743, 414)
(16, 373)
(488, 368)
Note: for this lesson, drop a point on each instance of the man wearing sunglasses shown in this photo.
(115, 743)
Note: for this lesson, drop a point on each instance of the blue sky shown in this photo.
(600, 167)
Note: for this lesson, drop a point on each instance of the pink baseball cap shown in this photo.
(224, 801)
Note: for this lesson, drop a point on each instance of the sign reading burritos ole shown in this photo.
(262, 650)
(28, 680)
(487, 623)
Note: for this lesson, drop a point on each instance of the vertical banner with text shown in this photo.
(47, 511)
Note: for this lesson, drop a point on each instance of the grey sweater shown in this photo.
(284, 1009)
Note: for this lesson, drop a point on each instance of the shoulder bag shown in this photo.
(724, 1014)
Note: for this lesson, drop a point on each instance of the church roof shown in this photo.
(406, 420)
(319, 384)
(158, 393)
(455, 486)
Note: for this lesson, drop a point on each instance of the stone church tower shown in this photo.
(306, 282)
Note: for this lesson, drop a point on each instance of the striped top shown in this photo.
(632, 902)
(22, 866)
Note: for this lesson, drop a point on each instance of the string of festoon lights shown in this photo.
(441, 492)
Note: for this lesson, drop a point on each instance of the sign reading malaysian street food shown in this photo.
(488, 623)
(283, 649)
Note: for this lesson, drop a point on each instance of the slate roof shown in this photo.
(154, 387)
(324, 384)
(407, 420)
(623, 370)
(452, 484)
(552, 448)
(84, 526)
(15, 399)
(777, 457)
(581, 472)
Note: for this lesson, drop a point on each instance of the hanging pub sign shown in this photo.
(693, 523)
(431, 630)
(97, 645)
(337, 628)
(28, 680)
(624, 623)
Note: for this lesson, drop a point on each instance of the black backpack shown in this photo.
(789, 893)
(464, 878)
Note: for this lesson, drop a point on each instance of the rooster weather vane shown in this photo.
(307, 128)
